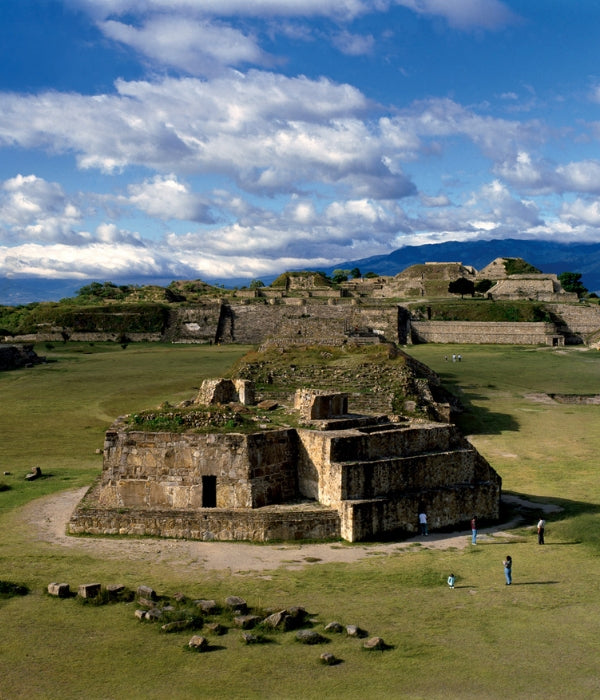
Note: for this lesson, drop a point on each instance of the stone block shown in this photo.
(89, 590)
(234, 602)
(246, 622)
(147, 592)
(61, 590)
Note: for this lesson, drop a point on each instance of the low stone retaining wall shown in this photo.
(258, 525)
(482, 332)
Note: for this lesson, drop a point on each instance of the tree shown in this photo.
(355, 273)
(483, 285)
(256, 284)
(571, 282)
(338, 276)
(461, 286)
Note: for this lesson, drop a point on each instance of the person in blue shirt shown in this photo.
(508, 570)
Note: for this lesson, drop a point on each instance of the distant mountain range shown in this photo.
(547, 256)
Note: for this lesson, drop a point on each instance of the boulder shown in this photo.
(198, 643)
(328, 659)
(334, 627)
(279, 621)
(375, 643)
(209, 607)
(234, 602)
(310, 637)
(246, 622)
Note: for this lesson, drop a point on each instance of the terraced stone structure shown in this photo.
(344, 475)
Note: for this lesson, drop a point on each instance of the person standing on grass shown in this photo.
(451, 580)
(423, 522)
(508, 570)
(474, 530)
(541, 526)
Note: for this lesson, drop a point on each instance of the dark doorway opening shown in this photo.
(209, 491)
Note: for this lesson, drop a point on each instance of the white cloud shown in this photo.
(346, 9)
(465, 14)
(581, 212)
(582, 176)
(267, 132)
(353, 44)
(167, 198)
(196, 47)
(32, 208)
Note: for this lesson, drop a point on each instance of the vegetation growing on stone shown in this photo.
(378, 378)
(518, 266)
(482, 310)
(208, 419)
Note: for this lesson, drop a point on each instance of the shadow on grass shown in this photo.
(476, 420)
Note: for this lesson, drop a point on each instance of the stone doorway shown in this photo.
(209, 491)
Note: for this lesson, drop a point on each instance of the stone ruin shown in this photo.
(349, 476)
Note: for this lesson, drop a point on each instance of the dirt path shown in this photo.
(46, 520)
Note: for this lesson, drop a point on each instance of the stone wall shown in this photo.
(485, 332)
(166, 470)
(576, 321)
(267, 524)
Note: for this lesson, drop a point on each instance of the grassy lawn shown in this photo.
(535, 639)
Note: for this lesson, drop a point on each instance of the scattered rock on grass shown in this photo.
(310, 637)
(334, 627)
(61, 590)
(375, 644)
(198, 643)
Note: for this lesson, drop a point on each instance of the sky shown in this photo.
(221, 139)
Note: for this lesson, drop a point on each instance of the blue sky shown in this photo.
(229, 138)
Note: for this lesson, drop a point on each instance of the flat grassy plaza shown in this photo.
(534, 639)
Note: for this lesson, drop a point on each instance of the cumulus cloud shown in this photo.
(34, 209)
(581, 212)
(268, 132)
(167, 198)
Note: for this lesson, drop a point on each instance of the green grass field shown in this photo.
(535, 639)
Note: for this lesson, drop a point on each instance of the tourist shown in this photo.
(453, 358)
(451, 580)
(423, 523)
(474, 530)
(508, 570)
(541, 526)
(459, 357)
